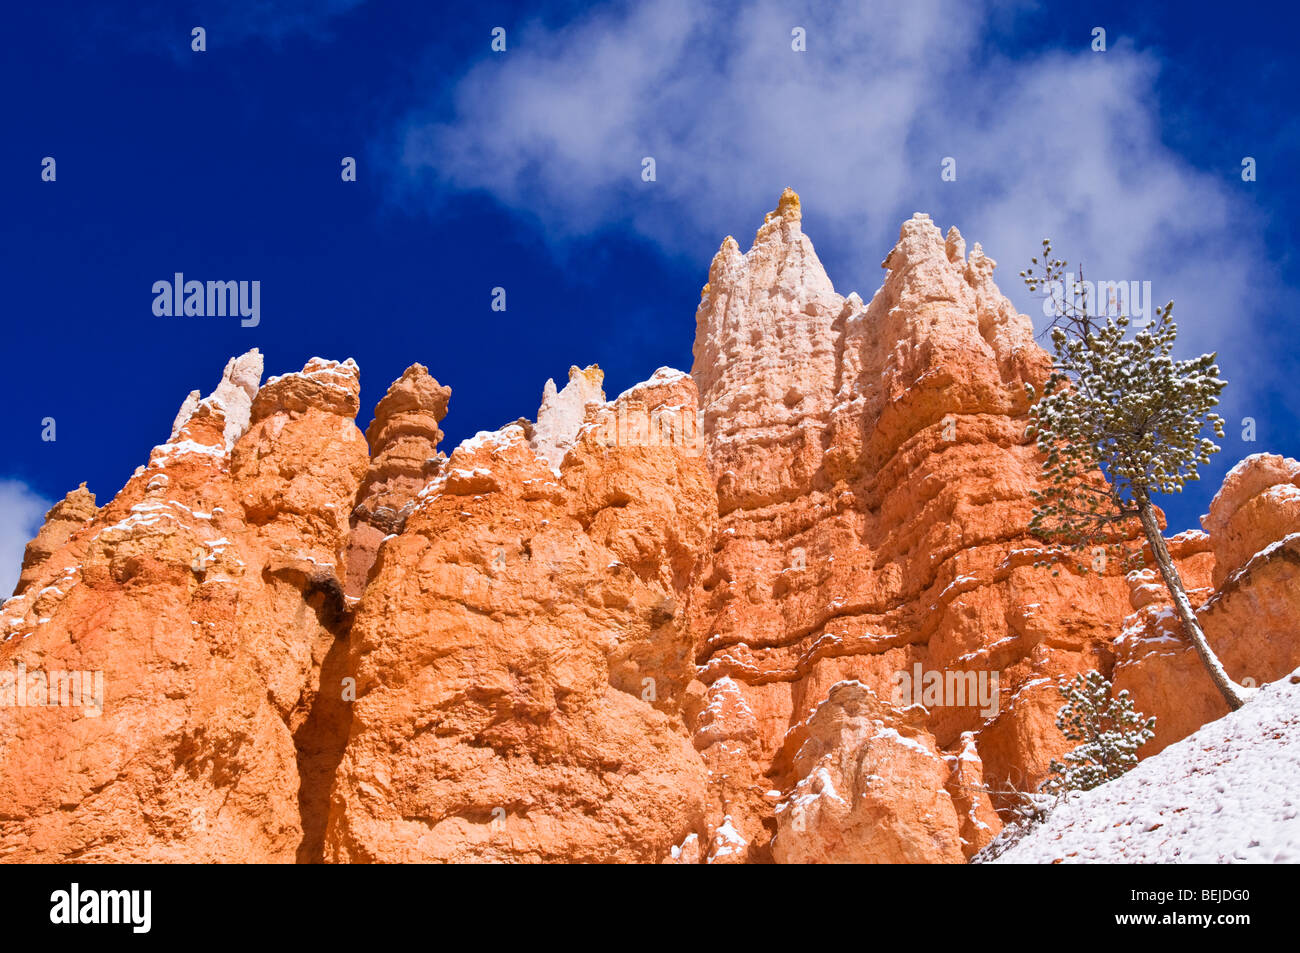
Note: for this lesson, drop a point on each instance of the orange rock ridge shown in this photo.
(670, 627)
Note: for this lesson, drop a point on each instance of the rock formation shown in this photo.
(785, 608)
(871, 787)
(873, 490)
(1247, 567)
(521, 656)
(188, 619)
(63, 519)
(562, 413)
(403, 438)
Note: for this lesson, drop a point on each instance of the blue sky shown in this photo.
(522, 170)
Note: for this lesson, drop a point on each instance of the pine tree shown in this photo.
(1110, 732)
(1120, 421)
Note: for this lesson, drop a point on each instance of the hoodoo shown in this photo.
(666, 627)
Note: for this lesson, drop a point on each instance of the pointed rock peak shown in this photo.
(231, 400)
(414, 401)
(183, 415)
(784, 222)
(62, 520)
(955, 245)
(918, 240)
(234, 395)
(331, 386)
(243, 373)
(781, 261)
(79, 504)
(787, 207)
(727, 259)
(561, 413)
(980, 267)
(592, 376)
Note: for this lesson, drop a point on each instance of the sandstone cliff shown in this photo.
(697, 623)
(206, 593)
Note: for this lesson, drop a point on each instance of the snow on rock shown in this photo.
(726, 717)
(167, 453)
(688, 852)
(664, 375)
(322, 385)
(322, 369)
(493, 441)
(460, 476)
(1225, 794)
(728, 846)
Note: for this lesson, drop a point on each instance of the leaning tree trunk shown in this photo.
(1174, 583)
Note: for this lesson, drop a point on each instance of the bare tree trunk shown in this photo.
(1183, 606)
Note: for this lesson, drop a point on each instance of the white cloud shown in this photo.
(1059, 144)
(21, 515)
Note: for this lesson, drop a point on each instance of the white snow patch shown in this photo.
(664, 375)
(893, 735)
(727, 840)
(493, 439)
(166, 452)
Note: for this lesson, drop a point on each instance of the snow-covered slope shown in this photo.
(1230, 793)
